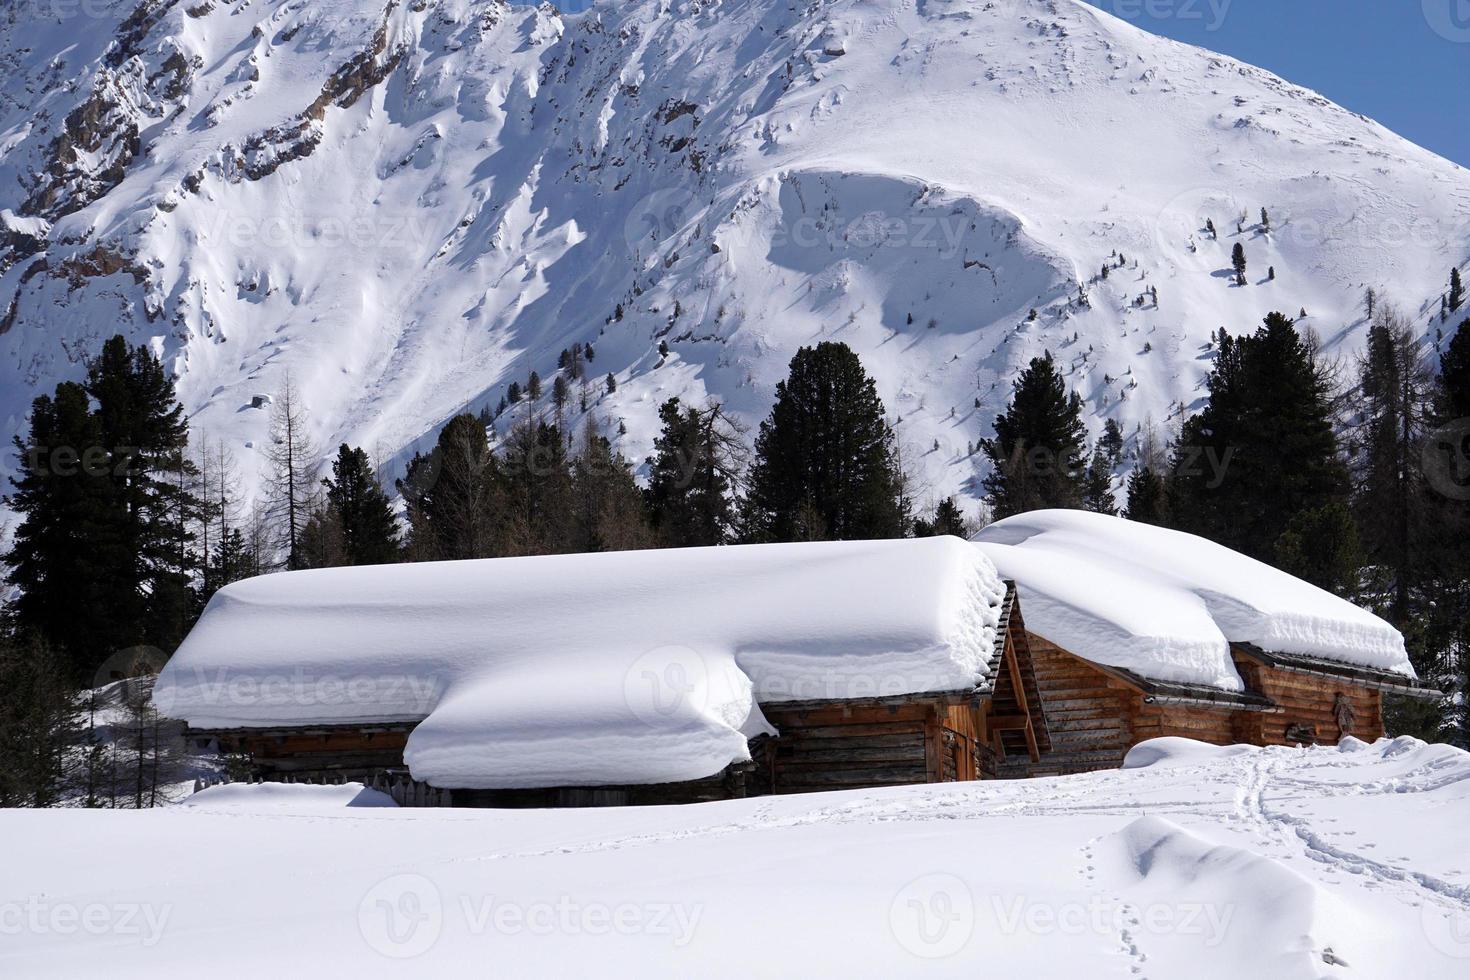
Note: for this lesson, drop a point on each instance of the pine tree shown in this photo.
(1148, 499)
(825, 460)
(1237, 262)
(38, 723)
(1454, 389)
(946, 520)
(1038, 451)
(68, 539)
(608, 506)
(145, 437)
(1439, 640)
(452, 495)
(322, 544)
(1321, 546)
(612, 383)
(1395, 391)
(559, 395)
(537, 491)
(363, 512)
(692, 474)
(1457, 291)
(1097, 485)
(291, 481)
(1112, 442)
(1263, 449)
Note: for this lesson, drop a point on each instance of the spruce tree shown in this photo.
(1454, 388)
(1237, 262)
(1439, 641)
(1038, 453)
(1112, 442)
(826, 464)
(1263, 449)
(1456, 297)
(607, 503)
(1395, 391)
(145, 437)
(363, 512)
(70, 539)
(1148, 499)
(453, 494)
(38, 723)
(1321, 546)
(946, 520)
(692, 474)
(1097, 485)
(537, 486)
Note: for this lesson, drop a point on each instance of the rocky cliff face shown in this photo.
(409, 203)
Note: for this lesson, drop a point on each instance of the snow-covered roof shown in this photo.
(1167, 605)
(634, 667)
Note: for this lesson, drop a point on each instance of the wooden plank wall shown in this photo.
(1310, 701)
(832, 747)
(1087, 712)
(351, 753)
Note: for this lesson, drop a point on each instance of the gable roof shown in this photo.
(1167, 606)
(630, 667)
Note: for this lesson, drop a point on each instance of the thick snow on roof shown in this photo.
(587, 669)
(1167, 605)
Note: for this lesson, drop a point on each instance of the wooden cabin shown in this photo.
(1097, 713)
(963, 733)
(1154, 581)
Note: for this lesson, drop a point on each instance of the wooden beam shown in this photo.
(1015, 668)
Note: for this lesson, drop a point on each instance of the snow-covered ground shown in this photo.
(1203, 862)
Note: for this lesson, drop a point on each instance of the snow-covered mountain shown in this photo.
(407, 205)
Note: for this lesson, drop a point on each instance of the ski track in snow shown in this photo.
(1281, 836)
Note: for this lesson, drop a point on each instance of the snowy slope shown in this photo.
(408, 205)
(1208, 863)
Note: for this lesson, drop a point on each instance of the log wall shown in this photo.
(1088, 715)
(1094, 718)
(1312, 706)
(857, 746)
(350, 753)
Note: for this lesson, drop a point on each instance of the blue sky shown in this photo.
(1406, 63)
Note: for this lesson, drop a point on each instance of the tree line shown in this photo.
(1341, 475)
(1355, 477)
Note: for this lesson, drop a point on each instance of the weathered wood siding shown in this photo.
(349, 752)
(856, 746)
(1310, 703)
(1088, 715)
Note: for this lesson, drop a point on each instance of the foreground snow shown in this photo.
(1201, 862)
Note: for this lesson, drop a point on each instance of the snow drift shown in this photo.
(515, 666)
(287, 797)
(1167, 605)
